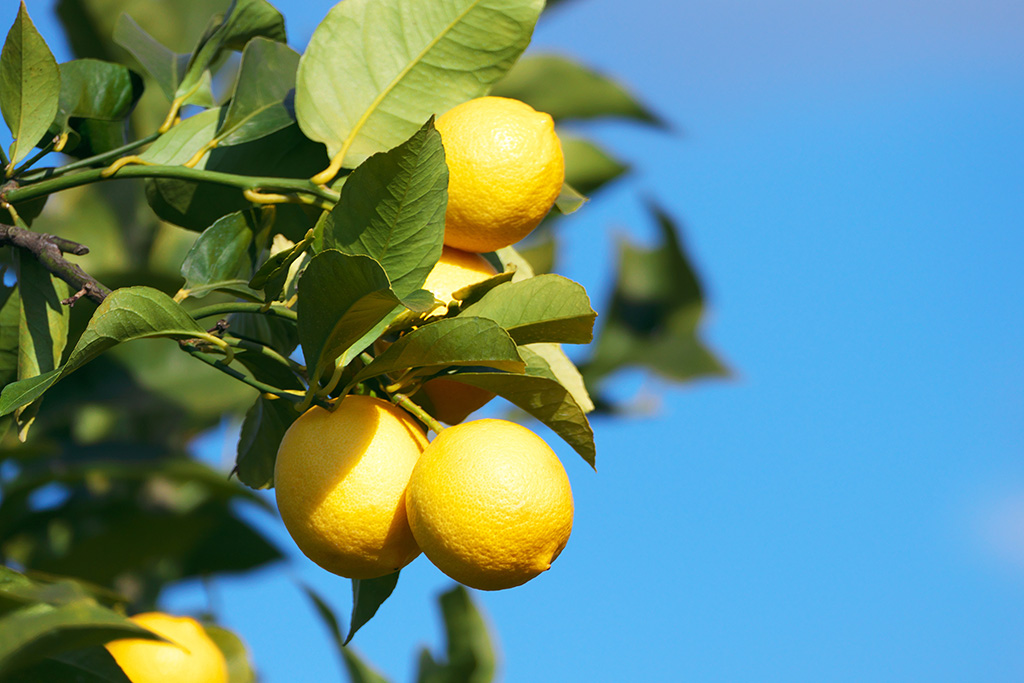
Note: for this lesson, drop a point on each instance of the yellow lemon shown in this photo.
(505, 171)
(451, 402)
(454, 270)
(190, 656)
(340, 482)
(490, 504)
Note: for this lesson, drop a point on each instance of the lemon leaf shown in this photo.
(262, 99)
(219, 259)
(469, 649)
(262, 430)
(234, 651)
(375, 70)
(587, 166)
(367, 597)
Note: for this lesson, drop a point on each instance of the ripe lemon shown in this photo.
(190, 656)
(454, 270)
(490, 504)
(505, 171)
(340, 483)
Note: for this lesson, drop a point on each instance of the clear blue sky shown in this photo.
(851, 506)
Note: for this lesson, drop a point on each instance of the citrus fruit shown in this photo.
(505, 171)
(340, 483)
(190, 656)
(454, 270)
(451, 402)
(490, 504)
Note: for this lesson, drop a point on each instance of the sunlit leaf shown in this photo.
(93, 89)
(161, 63)
(235, 652)
(181, 142)
(260, 104)
(569, 200)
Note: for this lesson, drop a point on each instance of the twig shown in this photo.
(48, 250)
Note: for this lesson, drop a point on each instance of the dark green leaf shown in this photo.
(239, 669)
(392, 209)
(449, 341)
(654, 314)
(587, 166)
(367, 597)
(545, 308)
(220, 258)
(358, 671)
(342, 297)
(470, 653)
(262, 101)
(162, 64)
(10, 313)
(29, 85)
(88, 665)
(568, 90)
(92, 89)
(262, 430)
(400, 64)
(280, 335)
(569, 200)
(126, 314)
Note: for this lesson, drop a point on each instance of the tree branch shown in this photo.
(49, 250)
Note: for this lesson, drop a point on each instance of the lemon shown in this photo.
(490, 504)
(340, 483)
(190, 656)
(451, 402)
(454, 270)
(505, 171)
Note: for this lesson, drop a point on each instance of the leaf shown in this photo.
(367, 597)
(358, 671)
(243, 21)
(181, 142)
(545, 308)
(126, 314)
(470, 654)
(161, 63)
(10, 312)
(375, 70)
(92, 89)
(220, 258)
(587, 166)
(88, 665)
(392, 208)
(262, 100)
(656, 308)
(29, 85)
(565, 372)
(569, 200)
(568, 90)
(341, 298)
(449, 341)
(262, 430)
(235, 652)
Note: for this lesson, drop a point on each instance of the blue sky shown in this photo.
(851, 505)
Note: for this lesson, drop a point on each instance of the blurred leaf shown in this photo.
(29, 85)
(449, 341)
(358, 671)
(569, 200)
(88, 665)
(587, 166)
(221, 259)
(260, 104)
(92, 89)
(126, 314)
(10, 313)
(262, 430)
(181, 142)
(161, 63)
(545, 308)
(652, 321)
(243, 21)
(568, 90)
(470, 653)
(392, 209)
(402, 61)
(367, 597)
(540, 251)
(235, 652)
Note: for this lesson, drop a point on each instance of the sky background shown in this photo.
(850, 506)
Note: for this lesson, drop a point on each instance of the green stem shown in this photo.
(242, 182)
(97, 160)
(270, 353)
(407, 404)
(33, 159)
(255, 384)
(243, 307)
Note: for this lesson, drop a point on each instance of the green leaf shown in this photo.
(545, 308)
(220, 258)
(375, 70)
(367, 597)
(540, 393)
(262, 100)
(587, 166)
(29, 85)
(654, 315)
(569, 200)
(92, 89)
(126, 314)
(392, 209)
(88, 665)
(262, 430)
(358, 670)
(565, 372)
(234, 650)
(10, 313)
(470, 654)
(243, 21)
(342, 297)
(449, 341)
(568, 90)
(161, 63)
(181, 142)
